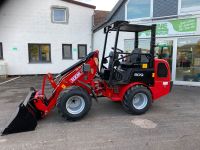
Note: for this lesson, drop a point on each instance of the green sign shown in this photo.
(14, 49)
(161, 29)
(184, 25)
(174, 27)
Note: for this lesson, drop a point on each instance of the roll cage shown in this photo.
(125, 26)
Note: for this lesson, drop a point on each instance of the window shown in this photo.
(137, 9)
(162, 70)
(144, 44)
(188, 59)
(82, 51)
(67, 51)
(1, 51)
(39, 53)
(190, 5)
(60, 15)
(129, 45)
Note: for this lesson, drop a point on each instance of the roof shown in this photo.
(80, 4)
(109, 17)
(69, 1)
(100, 16)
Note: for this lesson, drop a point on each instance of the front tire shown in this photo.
(137, 100)
(74, 103)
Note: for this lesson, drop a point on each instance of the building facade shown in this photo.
(41, 36)
(177, 37)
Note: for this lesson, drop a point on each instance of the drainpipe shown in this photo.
(92, 35)
(92, 41)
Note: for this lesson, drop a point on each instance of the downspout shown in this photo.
(92, 35)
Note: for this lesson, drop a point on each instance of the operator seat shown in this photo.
(122, 74)
(133, 59)
(135, 56)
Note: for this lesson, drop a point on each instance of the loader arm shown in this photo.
(37, 106)
(75, 75)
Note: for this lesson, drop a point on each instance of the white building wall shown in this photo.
(28, 21)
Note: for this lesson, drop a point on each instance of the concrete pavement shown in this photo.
(173, 123)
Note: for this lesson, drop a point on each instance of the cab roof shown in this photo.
(125, 26)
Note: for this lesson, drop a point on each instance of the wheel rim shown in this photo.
(75, 105)
(140, 101)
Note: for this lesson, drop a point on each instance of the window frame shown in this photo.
(138, 19)
(40, 61)
(183, 11)
(1, 48)
(66, 58)
(85, 51)
(183, 82)
(66, 15)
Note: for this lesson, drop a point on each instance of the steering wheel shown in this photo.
(119, 50)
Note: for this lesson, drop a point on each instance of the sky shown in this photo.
(102, 4)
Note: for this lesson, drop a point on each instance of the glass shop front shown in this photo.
(178, 42)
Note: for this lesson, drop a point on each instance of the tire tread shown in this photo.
(128, 95)
(66, 92)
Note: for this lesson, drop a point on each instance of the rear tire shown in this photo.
(74, 103)
(137, 100)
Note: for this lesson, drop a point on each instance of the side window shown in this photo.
(67, 51)
(59, 14)
(162, 70)
(39, 53)
(82, 51)
(138, 9)
(190, 5)
(1, 51)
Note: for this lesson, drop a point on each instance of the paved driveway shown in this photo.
(172, 123)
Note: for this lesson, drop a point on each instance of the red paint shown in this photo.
(158, 89)
(76, 77)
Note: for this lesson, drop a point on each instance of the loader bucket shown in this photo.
(23, 119)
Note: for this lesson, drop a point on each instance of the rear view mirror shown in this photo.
(105, 61)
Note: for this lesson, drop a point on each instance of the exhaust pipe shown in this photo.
(25, 117)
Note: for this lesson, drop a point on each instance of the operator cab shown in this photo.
(121, 67)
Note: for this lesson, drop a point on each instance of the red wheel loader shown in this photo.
(135, 79)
